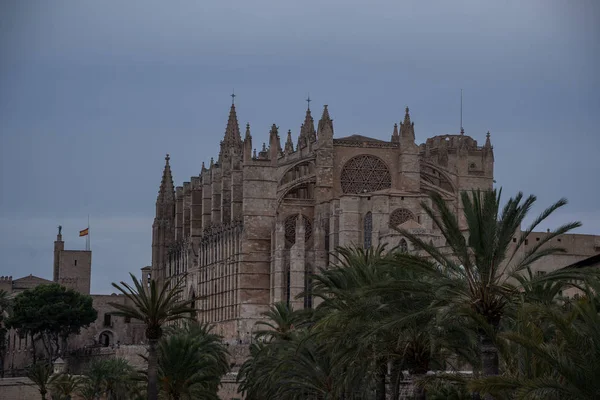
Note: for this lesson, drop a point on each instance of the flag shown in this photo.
(84, 232)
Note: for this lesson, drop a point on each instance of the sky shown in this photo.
(94, 93)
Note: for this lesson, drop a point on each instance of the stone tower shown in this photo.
(72, 268)
(163, 226)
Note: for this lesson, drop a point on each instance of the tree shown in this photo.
(554, 354)
(51, 313)
(4, 312)
(155, 307)
(191, 362)
(112, 378)
(476, 278)
(64, 386)
(40, 375)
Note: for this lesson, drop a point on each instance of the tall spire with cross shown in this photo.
(307, 130)
(166, 192)
(162, 227)
(233, 138)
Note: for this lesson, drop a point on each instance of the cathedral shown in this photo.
(253, 226)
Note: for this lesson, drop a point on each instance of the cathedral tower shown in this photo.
(163, 227)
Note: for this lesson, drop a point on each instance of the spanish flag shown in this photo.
(84, 232)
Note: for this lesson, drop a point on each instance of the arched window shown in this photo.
(290, 229)
(368, 230)
(403, 246)
(106, 338)
(308, 298)
(400, 216)
(364, 174)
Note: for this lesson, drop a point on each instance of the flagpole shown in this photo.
(88, 235)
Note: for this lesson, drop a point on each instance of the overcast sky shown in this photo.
(94, 93)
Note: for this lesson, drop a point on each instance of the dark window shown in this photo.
(403, 246)
(526, 242)
(127, 320)
(107, 319)
(558, 240)
(537, 239)
(514, 240)
(368, 230)
(75, 262)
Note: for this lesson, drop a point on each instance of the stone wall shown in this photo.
(18, 389)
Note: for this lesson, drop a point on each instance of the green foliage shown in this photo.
(553, 353)
(5, 310)
(113, 378)
(155, 306)
(191, 362)
(477, 306)
(64, 386)
(51, 313)
(40, 375)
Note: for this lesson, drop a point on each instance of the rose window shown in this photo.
(364, 174)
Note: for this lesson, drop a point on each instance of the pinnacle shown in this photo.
(407, 116)
(488, 142)
(247, 131)
(395, 135)
(167, 189)
(325, 115)
(289, 145)
(232, 131)
(307, 131)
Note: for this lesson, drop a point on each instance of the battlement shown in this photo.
(6, 279)
(451, 142)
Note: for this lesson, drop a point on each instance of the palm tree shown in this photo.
(155, 307)
(63, 386)
(113, 378)
(477, 278)
(191, 362)
(555, 353)
(40, 375)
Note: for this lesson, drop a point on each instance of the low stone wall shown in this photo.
(18, 389)
(79, 360)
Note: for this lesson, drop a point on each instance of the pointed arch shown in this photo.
(403, 246)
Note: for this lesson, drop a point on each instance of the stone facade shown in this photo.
(72, 268)
(252, 226)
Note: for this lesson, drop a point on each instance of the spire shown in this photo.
(395, 135)
(307, 131)
(232, 131)
(407, 128)
(247, 144)
(289, 145)
(325, 123)
(167, 189)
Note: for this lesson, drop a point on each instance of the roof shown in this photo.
(586, 262)
(360, 138)
(31, 279)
